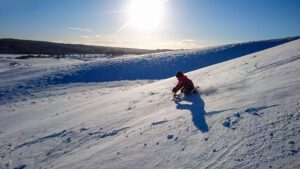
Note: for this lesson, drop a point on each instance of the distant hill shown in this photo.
(163, 65)
(17, 46)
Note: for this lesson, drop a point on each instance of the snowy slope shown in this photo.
(21, 77)
(163, 65)
(247, 116)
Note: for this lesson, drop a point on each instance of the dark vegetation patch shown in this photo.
(17, 46)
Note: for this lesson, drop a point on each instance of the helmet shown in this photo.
(179, 74)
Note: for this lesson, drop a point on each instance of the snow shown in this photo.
(246, 116)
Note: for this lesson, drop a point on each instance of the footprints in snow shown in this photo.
(254, 111)
(42, 139)
(68, 136)
(170, 136)
(108, 134)
(57, 144)
(20, 167)
(232, 121)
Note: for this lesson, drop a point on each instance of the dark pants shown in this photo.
(185, 91)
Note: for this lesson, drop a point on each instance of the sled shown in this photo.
(179, 96)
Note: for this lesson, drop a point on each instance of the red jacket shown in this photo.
(185, 83)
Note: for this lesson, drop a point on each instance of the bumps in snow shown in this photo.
(231, 122)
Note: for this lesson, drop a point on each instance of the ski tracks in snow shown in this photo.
(222, 157)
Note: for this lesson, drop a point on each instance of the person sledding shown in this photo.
(185, 85)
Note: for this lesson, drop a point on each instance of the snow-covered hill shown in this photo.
(247, 116)
(163, 65)
(21, 77)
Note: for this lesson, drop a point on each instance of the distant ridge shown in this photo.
(18, 46)
(162, 66)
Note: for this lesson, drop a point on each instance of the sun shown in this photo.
(146, 14)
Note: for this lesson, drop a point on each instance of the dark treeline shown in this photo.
(17, 46)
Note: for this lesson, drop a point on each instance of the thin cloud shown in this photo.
(116, 41)
(81, 29)
(86, 37)
(182, 44)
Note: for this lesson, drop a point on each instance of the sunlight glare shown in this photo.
(146, 14)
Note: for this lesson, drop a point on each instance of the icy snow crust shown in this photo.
(246, 116)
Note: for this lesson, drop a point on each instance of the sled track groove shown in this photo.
(223, 157)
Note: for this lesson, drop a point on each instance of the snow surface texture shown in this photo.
(27, 76)
(246, 116)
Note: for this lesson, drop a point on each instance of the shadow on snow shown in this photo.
(196, 106)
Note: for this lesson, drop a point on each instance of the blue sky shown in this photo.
(182, 23)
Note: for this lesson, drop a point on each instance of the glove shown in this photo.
(174, 90)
